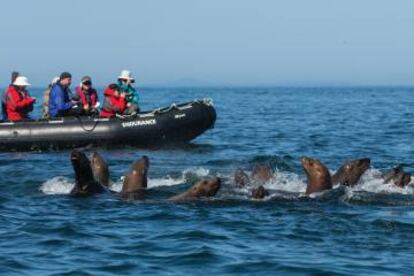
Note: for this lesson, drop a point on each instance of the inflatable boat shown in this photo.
(177, 123)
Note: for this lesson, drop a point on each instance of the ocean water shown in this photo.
(367, 229)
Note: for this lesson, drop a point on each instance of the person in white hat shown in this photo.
(125, 81)
(18, 101)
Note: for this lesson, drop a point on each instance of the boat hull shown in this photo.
(175, 124)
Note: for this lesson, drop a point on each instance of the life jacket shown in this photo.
(112, 105)
(87, 97)
(19, 104)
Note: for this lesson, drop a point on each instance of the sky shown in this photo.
(214, 42)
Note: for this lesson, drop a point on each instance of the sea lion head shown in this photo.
(262, 173)
(350, 172)
(318, 175)
(137, 176)
(393, 174)
(400, 178)
(240, 178)
(205, 188)
(85, 183)
(100, 169)
(405, 179)
(260, 193)
(81, 165)
(397, 176)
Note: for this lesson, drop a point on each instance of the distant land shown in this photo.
(192, 82)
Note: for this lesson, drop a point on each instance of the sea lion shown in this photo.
(350, 172)
(85, 184)
(397, 176)
(319, 178)
(136, 180)
(100, 169)
(260, 193)
(203, 188)
(262, 173)
(241, 179)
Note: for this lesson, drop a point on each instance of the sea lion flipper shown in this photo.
(100, 169)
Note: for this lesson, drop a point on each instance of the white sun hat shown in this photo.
(126, 75)
(21, 81)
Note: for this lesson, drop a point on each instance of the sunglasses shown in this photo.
(125, 80)
(87, 83)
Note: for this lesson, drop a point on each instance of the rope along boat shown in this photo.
(177, 123)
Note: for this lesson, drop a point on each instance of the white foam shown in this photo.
(371, 181)
(198, 171)
(57, 185)
(167, 181)
(156, 182)
(62, 185)
(286, 181)
(281, 181)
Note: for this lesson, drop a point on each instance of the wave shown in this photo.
(58, 185)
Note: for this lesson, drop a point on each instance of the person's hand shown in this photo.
(86, 106)
(123, 95)
(128, 104)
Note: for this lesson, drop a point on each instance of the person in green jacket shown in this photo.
(125, 81)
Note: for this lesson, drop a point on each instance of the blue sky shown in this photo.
(227, 42)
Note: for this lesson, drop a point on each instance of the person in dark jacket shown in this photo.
(14, 76)
(87, 96)
(61, 103)
(18, 101)
(115, 102)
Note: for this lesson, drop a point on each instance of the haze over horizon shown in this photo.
(235, 43)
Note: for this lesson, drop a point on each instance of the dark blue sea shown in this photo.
(364, 230)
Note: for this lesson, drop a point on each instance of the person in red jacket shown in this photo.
(14, 75)
(87, 96)
(114, 102)
(18, 101)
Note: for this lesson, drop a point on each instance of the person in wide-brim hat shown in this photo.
(18, 101)
(126, 75)
(125, 81)
(21, 81)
